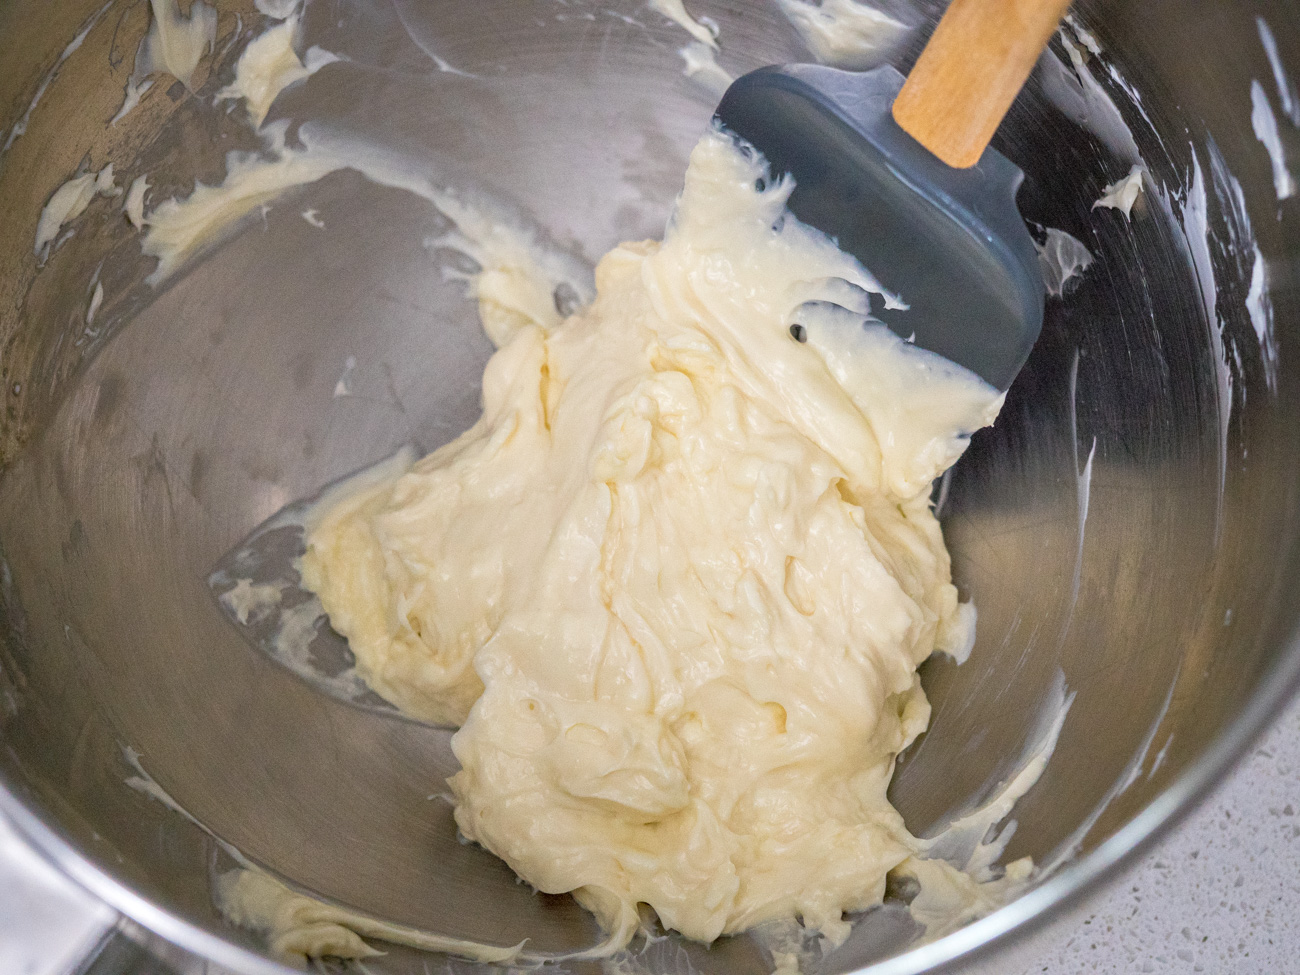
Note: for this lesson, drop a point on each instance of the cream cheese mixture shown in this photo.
(675, 584)
(846, 33)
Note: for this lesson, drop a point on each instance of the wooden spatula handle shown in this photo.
(971, 71)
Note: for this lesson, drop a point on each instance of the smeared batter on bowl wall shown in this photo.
(676, 582)
(682, 635)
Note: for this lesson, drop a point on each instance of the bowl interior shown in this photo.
(1126, 529)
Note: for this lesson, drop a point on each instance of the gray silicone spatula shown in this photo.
(901, 174)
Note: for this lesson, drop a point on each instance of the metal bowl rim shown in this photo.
(1027, 912)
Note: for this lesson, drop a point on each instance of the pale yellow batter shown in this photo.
(675, 584)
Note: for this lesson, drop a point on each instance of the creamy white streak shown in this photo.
(299, 928)
(174, 45)
(269, 65)
(1286, 90)
(96, 300)
(1123, 193)
(133, 206)
(846, 33)
(675, 10)
(1264, 123)
(68, 202)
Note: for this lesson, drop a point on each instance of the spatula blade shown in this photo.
(949, 242)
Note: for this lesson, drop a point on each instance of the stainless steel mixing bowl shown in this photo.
(1129, 522)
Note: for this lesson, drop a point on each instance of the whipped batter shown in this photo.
(846, 33)
(1123, 193)
(268, 66)
(175, 45)
(133, 206)
(68, 202)
(676, 582)
(299, 928)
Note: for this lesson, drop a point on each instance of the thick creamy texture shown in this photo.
(175, 44)
(178, 229)
(276, 908)
(176, 41)
(1122, 194)
(1264, 123)
(133, 206)
(300, 928)
(268, 66)
(677, 580)
(68, 202)
(846, 33)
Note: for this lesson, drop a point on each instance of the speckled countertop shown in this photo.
(1221, 894)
